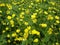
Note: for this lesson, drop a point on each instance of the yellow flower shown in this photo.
(57, 21)
(17, 18)
(14, 34)
(8, 41)
(33, 16)
(22, 16)
(22, 13)
(21, 19)
(57, 43)
(50, 31)
(29, 27)
(14, 3)
(26, 30)
(36, 40)
(8, 12)
(12, 25)
(30, 6)
(9, 17)
(25, 36)
(56, 17)
(26, 23)
(32, 3)
(13, 15)
(38, 33)
(2, 4)
(38, 0)
(7, 28)
(22, 1)
(43, 25)
(50, 8)
(34, 20)
(27, 11)
(19, 39)
(37, 10)
(0, 11)
(34, 13)
(40, 11)
(8, 35)
(23, 9)
(11, 22)
(35, 32)
(3, 31)
(45, 12)
(18, 30)
(50, 17)
(9, 6)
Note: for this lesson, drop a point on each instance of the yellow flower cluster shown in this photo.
(26, 32)
(33, 17)
(22, 15)
(9, 6)
(50, 31)
(50, 17)
(35, 32)
(57, 19)
(19, 39)
(12, 23)
(14, 34)
(43, 25)
(26, 22)
(2, 4)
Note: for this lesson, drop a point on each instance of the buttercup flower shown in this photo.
(43, 25)
(18, 30)
(56, 17)
(50, 31)
(35, 40)
(8, 35)
(35, 32)
(9, 17)
(50, 17)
